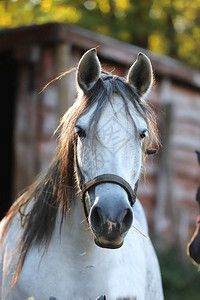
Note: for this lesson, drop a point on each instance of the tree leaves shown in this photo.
(166, 27)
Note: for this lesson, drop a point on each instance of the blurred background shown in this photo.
(39, 39)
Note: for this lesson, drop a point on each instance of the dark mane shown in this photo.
(56, 190)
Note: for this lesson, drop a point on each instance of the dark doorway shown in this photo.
(8, 83)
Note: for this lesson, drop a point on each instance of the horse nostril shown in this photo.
(123, 218)
(127, 219)
(95, 218)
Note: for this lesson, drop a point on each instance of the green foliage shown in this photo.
(180, 280)
(169, 27)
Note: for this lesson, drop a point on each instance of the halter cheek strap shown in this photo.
(108, 178)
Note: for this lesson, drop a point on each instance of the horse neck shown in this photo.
(75, 233)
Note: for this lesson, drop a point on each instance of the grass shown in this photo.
(181, 280)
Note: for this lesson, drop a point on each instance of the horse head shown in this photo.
(112, 135)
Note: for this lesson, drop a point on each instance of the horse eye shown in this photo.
(143, 134)
(80, 132)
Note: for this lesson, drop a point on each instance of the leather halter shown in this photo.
(108, 178)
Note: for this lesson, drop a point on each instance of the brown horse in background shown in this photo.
(193, 247)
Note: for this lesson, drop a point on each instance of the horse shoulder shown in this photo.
(154, 289)
(153, 281)
(140, 219)
(9, 234)
(11, 226)
(11, 231)
(8, 258)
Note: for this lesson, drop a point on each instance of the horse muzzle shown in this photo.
(111, 216)
(110, 232)
(109, 244)
(110, 237)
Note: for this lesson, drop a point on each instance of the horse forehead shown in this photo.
(115, 112)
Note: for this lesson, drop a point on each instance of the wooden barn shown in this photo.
(32, 56)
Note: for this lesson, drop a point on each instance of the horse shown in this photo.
(79, 232)
(193, 247)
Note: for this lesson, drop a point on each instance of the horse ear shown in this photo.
(140, 74)
(89, 70)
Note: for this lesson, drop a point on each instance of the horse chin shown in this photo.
(104, 243)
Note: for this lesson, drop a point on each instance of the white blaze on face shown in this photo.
(117, 149)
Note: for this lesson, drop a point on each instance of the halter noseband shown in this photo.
(108, 178)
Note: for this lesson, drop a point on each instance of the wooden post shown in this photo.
(66, 86)
(26, 120)
(164, 224)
